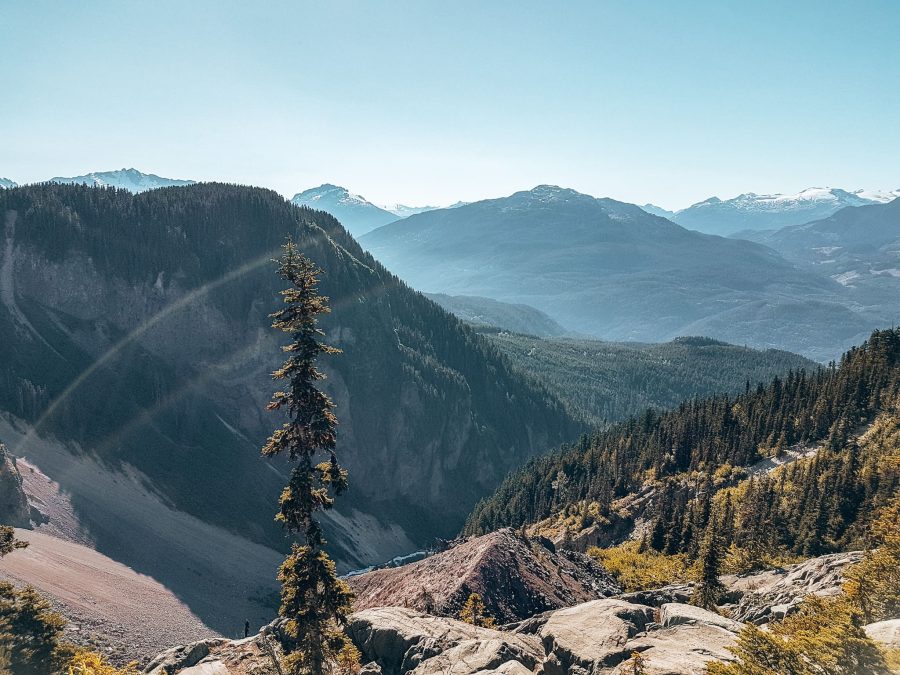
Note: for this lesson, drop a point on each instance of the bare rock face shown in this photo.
(775, 593)
(13, 503)
(592, 636)
(255, 655)
(179, 658)
(684, 649)
(478, 656)
(657, 597)
(516, 577)
(887, 633)
(402, 641)
(680, 614)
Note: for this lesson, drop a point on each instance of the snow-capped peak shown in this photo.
(880, 196)
(752, 201)
(127, 179)
(334, 194)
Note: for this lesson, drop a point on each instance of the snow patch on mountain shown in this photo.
(354, 211)
(403, 211)
(126, 179)
(655, 210)
(755, 212)
(7, 183)
(751, 201)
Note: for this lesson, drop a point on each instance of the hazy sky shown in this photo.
(433, 102)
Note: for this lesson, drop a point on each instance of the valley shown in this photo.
(162, 349)
(377, 338)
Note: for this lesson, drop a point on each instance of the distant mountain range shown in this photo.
(402, 211)
(750, 212)
(610, 269)
(857, 247)
(355, 212)
(127, 179)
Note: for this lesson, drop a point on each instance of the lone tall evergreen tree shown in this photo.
(709, 589)
(313, 600)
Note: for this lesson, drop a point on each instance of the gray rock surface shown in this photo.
(657, 597)
(478, 656)
(775, 593)
(400, 640)
(681, 649)
(592, 635)
(885, 632)
(13, 503)
(179, 658)
(678, 614)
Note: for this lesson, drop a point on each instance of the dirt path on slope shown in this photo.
(129, 615)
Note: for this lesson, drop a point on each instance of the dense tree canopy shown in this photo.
(692, 454)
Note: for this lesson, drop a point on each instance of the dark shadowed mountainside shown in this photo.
(135, 353)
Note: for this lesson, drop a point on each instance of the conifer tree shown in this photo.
(313, 600)
(474, 612)
(709, 588)
(8, 541)
(31, 632)
(636, 665)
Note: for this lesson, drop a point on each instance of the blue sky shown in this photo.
(433, 102)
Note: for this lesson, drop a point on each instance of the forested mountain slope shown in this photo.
(484, 312)
(134, 332)
(670, 470)
(604, 382)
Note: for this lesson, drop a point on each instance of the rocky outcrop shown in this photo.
(13, 503)
(681, 650)
(594, 638)
(775, 593)
(516, 577)
(177, 659)
(591, 636)
(254, 655)
(679, 614)
(402, 640)
(657, 597)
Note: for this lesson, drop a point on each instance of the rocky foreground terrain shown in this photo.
(593, 637)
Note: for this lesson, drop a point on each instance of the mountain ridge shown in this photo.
(751, 211)
(354, 211)
(127, 179)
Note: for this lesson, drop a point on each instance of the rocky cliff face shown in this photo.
(13, 503)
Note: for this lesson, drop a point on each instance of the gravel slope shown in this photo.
(105, 602)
